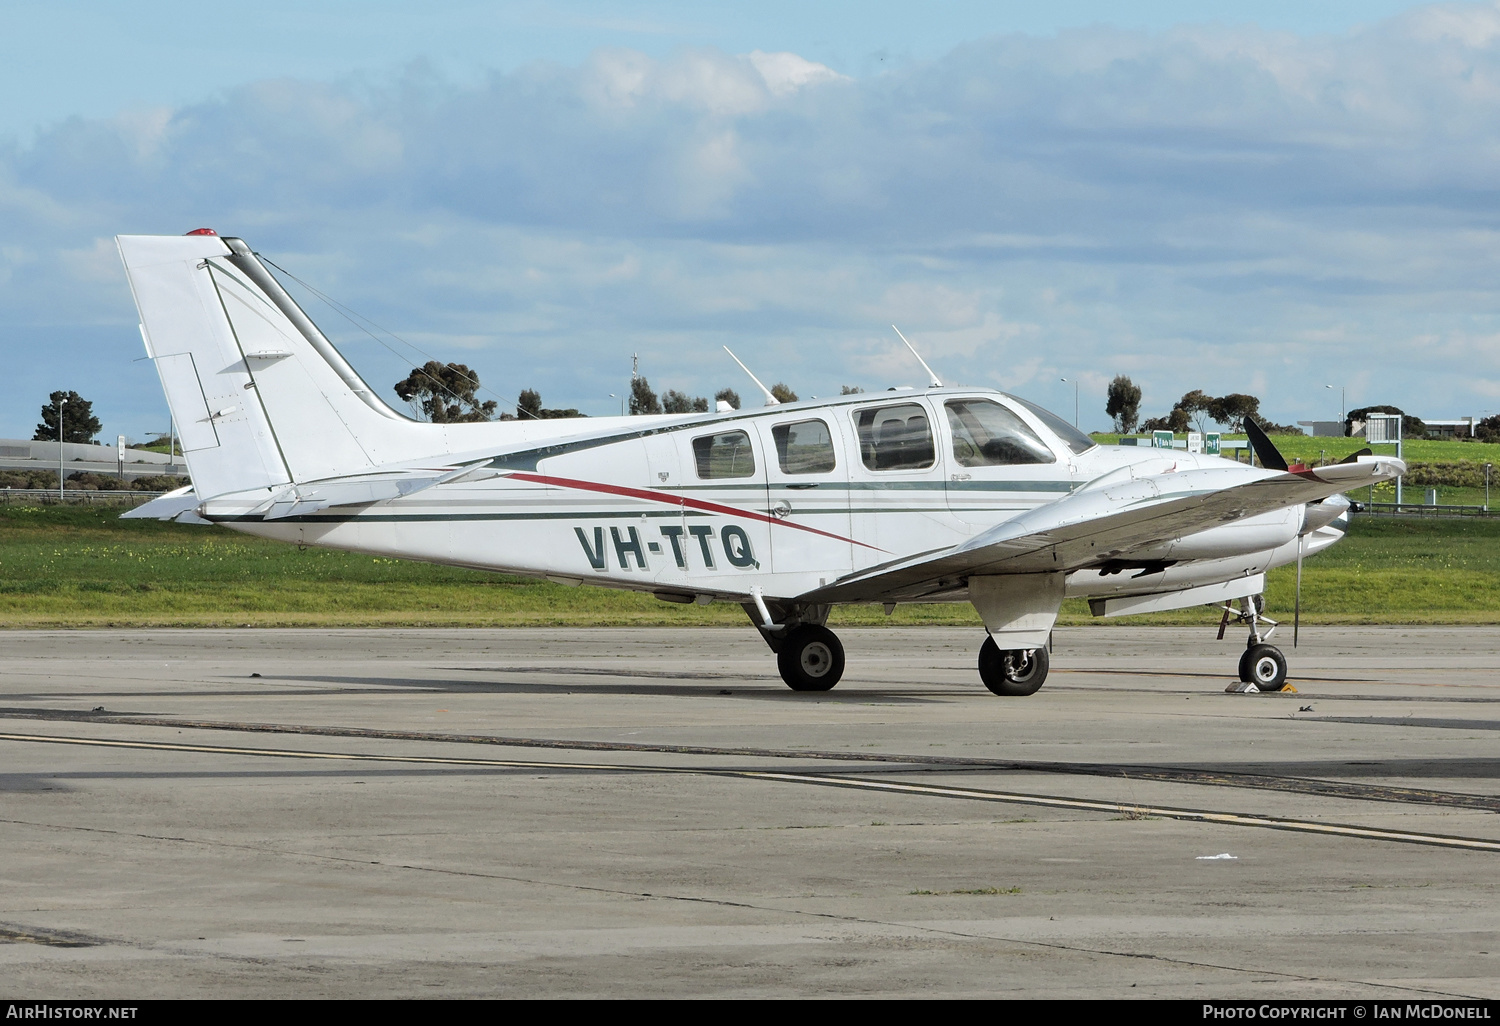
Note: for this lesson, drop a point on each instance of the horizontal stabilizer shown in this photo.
(180, 505)
(365, 489)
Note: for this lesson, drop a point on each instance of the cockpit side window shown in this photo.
(986, 434)
(805, 447)
(726, 454)
(1071, 437)
(895, 437)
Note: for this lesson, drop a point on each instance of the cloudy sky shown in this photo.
(1240, 197)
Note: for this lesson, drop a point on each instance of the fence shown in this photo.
(1414, 509)
(49, 497)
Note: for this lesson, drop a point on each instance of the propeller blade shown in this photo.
(1353, 457)
(1297, 607)
(1260, 443)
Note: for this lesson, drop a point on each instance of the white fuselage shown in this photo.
(784, 498)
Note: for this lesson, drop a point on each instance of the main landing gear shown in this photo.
(1015, 673)
(1262, 665)
(811, 658)
(809, 655)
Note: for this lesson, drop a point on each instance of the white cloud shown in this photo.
(785, 73)
(1207, 207)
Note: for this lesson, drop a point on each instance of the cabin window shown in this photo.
(986, 434)
(895, 437)
(726, 454)
(805, 447)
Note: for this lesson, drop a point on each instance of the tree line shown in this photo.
(1197, 409)
(447, 393)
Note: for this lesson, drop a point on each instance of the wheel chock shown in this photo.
(1241, 687)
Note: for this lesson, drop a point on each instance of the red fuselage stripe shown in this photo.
(677, 500)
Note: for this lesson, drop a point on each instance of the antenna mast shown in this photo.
(933, 381)
(771, 400)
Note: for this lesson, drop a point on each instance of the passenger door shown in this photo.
(896, 486)
(720, 467)
(808, 487)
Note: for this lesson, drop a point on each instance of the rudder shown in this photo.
(226, 437)
(262, 399)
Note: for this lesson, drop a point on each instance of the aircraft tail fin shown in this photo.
(260, 397)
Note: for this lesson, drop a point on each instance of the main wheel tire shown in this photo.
(1015, 673)
(1264, 666)
(811, 658)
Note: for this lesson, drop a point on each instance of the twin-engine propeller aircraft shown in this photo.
(910, 495)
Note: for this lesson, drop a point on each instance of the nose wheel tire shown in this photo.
(1014, 673)
(1264, 666)
(810, 659)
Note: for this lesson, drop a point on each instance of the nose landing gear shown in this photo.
(1262, 665)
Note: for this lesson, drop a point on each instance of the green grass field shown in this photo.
(1307, 449)
(80, 566)
(1313, 451)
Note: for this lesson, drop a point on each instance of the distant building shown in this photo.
(1436, 428)
(1324, 428)
(1450, 428)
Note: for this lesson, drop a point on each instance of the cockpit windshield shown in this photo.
(1070, 435)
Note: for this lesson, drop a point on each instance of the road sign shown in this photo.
(1211, 443)
(1383, 427)
(1162, 439)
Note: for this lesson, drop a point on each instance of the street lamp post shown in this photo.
(1075, 399)
(1341, 400)
(60, 404)
(1487, 467)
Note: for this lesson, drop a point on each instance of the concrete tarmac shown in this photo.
(641, 813)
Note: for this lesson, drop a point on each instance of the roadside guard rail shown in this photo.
(49, 497)
(1416, 509)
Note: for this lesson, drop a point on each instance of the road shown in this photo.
(381, 813)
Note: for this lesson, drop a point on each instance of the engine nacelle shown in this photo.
(1253, 534)
(1324, 524)
(1102, 583)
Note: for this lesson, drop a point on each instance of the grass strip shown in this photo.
(80, 566)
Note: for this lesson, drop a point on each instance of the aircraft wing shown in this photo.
(1106, 519)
